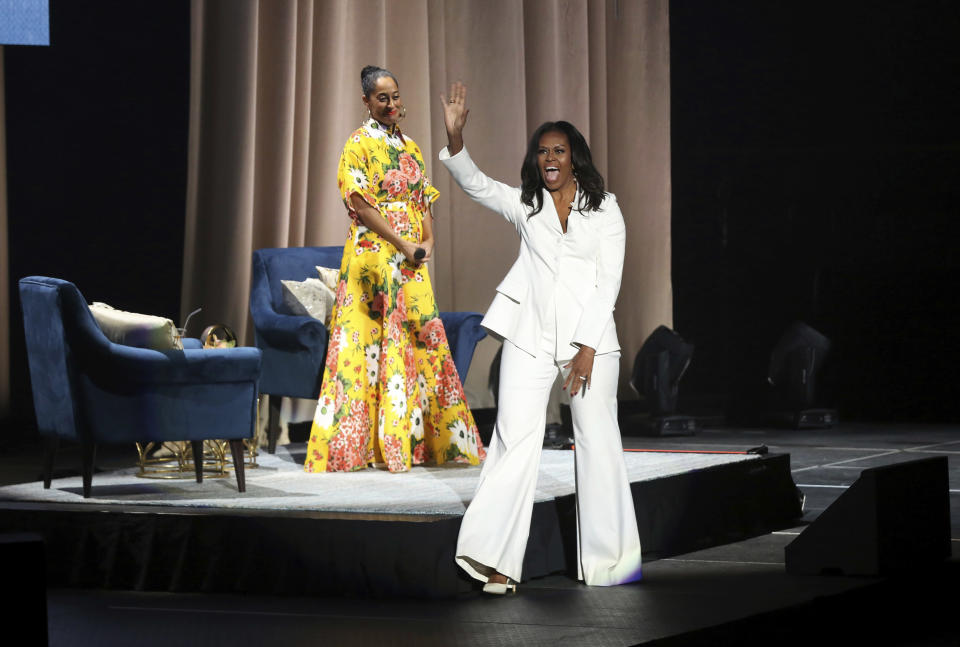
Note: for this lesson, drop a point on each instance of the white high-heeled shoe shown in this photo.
(500, 588)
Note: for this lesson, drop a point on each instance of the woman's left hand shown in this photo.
(581, 369)
(427, 246)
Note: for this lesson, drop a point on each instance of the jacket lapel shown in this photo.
(550, 212)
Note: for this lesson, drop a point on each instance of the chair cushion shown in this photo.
(311, 298)
(330, 276)
(133, 329)
(272, 265)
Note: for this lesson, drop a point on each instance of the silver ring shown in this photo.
(583, 377)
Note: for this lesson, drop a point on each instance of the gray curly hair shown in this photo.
(369, 76)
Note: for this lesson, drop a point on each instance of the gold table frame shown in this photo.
(177, 459)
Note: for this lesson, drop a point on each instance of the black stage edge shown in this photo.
(151, 548)
(907, 609)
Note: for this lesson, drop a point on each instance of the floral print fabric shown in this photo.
(390, 391)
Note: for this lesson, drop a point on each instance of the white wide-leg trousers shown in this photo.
(496, 525)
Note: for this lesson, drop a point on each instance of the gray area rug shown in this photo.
(279, 483)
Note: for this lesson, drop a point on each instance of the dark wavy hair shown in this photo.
(588, 177)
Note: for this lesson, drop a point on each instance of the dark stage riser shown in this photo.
(163, 549)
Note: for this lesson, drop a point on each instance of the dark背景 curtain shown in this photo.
(4, 262)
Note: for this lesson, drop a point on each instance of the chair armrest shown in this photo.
(293, 332)
(463, 332)
(116, 363)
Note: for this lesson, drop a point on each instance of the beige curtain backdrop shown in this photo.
(275, 92)
(4, 260)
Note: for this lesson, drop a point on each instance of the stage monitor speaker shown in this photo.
(893, 519)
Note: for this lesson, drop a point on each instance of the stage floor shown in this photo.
(367, 533)
(735, 593)
(279, 483)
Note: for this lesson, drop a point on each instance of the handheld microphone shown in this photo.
(420, 253)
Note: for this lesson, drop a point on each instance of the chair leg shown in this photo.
(198, 459)
(273, 423)
(236, 448)
(89, 452)
(50, 445)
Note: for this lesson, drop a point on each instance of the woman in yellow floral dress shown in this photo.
(390, 391)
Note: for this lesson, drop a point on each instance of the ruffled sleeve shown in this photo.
(429, 193)
(356, 173)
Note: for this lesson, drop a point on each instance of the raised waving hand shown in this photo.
(455, 113)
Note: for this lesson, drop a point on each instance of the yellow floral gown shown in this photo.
(390, 391)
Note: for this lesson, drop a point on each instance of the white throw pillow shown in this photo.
(329, 276)
(132, 329)
(311, 298)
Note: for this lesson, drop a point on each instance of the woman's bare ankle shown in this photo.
(497, 578)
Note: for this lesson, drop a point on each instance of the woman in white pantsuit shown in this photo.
(554, 312)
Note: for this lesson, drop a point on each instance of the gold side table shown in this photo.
(173, 460)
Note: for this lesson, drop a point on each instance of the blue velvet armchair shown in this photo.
(90, 390)
(295, 347)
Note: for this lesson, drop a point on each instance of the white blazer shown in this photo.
(580, 269)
